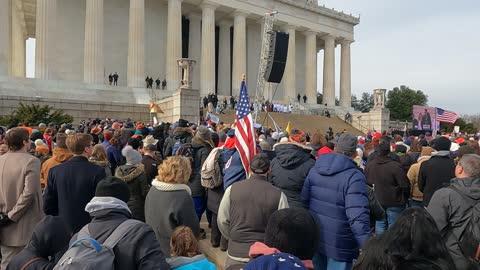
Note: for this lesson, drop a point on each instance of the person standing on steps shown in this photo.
(164, 84)
(157, 82)
(304, 98)
(110, 79)
(299, 97)
(115, 78)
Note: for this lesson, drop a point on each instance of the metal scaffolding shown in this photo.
(265, 56)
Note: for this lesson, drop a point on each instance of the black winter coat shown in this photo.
(434, 174)
(201, 150)
(215, 195)
(48, 243)
(70, 186)
(138, 250)
(290, 167)
(134, 176)
(214, 198)
(374, 155)
(151, 166)
(392, 187)
(184, 134)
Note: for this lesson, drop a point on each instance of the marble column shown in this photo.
(289, 79)
(45, 38)
(224, 75)
(329, 71)
(174, 43)
(4, 37)
(345, 76)
(239, 51)
(18, 42)
(93, 68)
(136, 44)
(194, 51)
(311, 67)
(207, 65)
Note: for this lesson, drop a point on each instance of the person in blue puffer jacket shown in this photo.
(335, 192)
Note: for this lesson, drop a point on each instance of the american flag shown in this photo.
(244, 129)
(446, 116)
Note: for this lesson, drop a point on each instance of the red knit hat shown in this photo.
(324, 150)
(107, 135)
(139, 126)
(116, 125)
(297, 136)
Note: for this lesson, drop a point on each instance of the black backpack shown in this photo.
(469, 240)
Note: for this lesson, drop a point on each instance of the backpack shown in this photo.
(469, 240)
(211, 173)
(87, 254)
(176, 146)
(185, 150)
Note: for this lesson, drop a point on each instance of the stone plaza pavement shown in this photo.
(215, 255)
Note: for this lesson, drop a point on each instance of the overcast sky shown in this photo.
(430, 45)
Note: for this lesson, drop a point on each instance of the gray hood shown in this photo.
(468, 186)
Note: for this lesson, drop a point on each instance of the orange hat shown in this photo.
(107, 135)
(29, 129)
(96, 130)
(116, 125)
(297, 136)
(460, 140)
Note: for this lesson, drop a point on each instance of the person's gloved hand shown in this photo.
(4, 220)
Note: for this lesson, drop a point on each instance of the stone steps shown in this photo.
(73, 91)
(306, 123)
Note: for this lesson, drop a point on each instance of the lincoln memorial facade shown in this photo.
(80, 42)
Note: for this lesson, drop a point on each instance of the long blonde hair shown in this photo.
(99, 153)
(183, 243)
(175, 170)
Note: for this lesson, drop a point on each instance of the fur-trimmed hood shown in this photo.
(182, 133)
(290, 154)
(199, 142)
(101, 163)
(129, 172)
(306, 148)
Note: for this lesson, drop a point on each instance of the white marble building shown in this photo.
(82, 41)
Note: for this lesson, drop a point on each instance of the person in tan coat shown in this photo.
(20, 195)
(416, 196)
(60, 155)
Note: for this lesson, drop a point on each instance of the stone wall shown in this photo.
(184, 104)
(81, 110)
(378, 119)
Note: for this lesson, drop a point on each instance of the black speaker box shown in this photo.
(277, 57)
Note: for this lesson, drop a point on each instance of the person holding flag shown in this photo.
(244, 129)
(240, 146)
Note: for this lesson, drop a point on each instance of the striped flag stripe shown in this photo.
(244, 129)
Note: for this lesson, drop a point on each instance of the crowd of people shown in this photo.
(325, 201)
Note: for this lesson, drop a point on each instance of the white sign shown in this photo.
(456, 129)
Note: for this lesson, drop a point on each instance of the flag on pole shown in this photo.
(288, 128)
(244, 129)
(446, 116)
